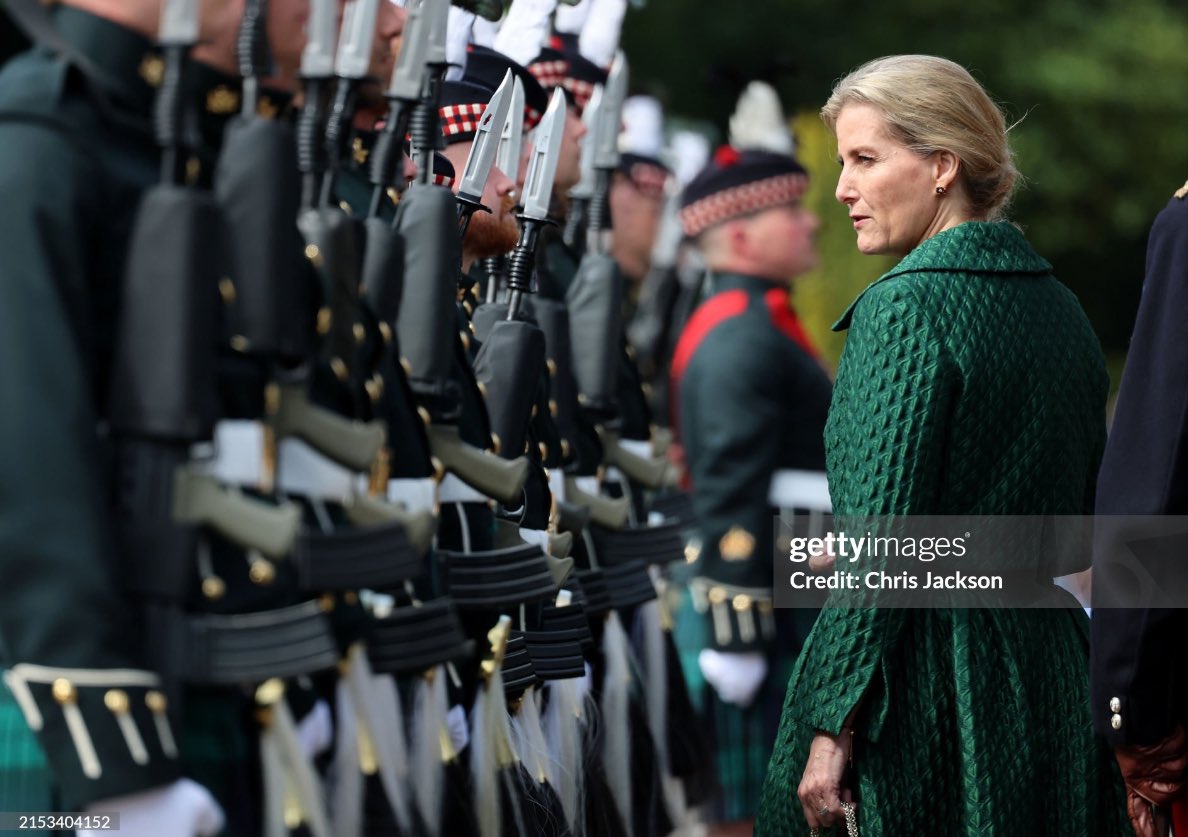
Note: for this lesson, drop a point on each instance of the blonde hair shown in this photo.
(932, 104)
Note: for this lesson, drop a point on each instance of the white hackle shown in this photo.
(759, 122)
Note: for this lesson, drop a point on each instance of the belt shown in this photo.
(253, 647)
(595, 596)
(572, 617)
(374, 556)
(629, 584)
(557, 654)
(453, 490)
(498, 577)
(518, 672)
(411, 640)
(652, 544)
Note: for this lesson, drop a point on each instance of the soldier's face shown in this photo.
(782, 241)
(490, 233)
(635, 208)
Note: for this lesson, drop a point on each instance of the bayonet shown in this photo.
(583, 192)
(425, 136)
(542, 165)
(482, 153)
(404, 91)
(317, 68)
(606, 142)
(350, 66)
(179, 23)
(356, 38)
(317, 60)
(251, 53)
(591, 118)
(606, 153)
(508, 160)
(511, 140)
(538, 192)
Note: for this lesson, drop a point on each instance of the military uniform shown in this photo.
(78, 168)
(1138, 654)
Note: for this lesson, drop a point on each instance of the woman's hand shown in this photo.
(820, 791)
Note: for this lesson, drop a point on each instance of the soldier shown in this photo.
(1138, 652)
(752, 399)
(78, 152)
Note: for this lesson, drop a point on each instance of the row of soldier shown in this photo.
(332, 498)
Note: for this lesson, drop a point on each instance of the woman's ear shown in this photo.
(946, 166)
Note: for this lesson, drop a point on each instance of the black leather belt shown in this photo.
(595, 595)
(629, 584)
(572, 617)
(518, 671)
(414, 639)
(253, 647)
(377, 557)
(498, 577)
(557, 655)
(652, 544)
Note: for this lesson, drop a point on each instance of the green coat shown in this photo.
(971, 382)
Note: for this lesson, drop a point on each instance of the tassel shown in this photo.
(649, 640)
(492, 759)
(393, 748)
(563, 721)
(428, 727)
(616, 696)
(347, 789)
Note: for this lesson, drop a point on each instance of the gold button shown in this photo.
(325, 317)
(551, 365)
(64, 691)
(544, 450)
(313, 254)
(359, 332)
(339, 368)
(262, 572)
(1115, 705)
(116, 700)
(553, 407)
(155, 701)
(326, 602)
(240, 344)
(406, 366)
(213, 587)
(1116, 721)
(717, 595)
(385, 332)
(374, 387)
(742, 602)
(227, 290)
(465, 338)
(426, 419)
(350, 597)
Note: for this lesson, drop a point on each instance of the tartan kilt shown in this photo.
(741, 739)
(25, 780)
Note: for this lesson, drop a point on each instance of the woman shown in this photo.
(971, 383)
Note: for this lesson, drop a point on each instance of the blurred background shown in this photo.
(1098, 90)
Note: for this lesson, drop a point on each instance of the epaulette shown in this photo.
(1182, 192)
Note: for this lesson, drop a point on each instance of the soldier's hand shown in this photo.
(184, 808)
(1155, 777)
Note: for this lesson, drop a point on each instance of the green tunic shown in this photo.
(971, 383)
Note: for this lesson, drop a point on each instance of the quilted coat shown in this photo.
(971, 383)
